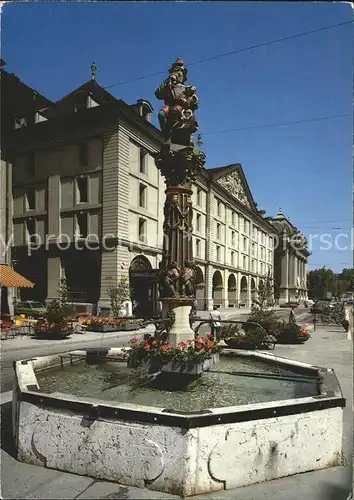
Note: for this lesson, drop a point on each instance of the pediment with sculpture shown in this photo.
(234, 184)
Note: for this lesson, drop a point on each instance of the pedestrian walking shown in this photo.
(216, 319)
(292, 317)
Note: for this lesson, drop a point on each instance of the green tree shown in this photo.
(118, 295)
(347, 278)
(321, 281)
(265, 293)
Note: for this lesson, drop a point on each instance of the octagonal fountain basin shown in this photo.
(252, 417)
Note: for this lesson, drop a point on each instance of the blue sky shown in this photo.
(304, 168)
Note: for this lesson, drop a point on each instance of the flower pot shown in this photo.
(239, 344)
(128, 326)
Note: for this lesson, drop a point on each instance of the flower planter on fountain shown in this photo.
(191, 358)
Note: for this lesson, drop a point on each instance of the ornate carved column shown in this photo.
(179, 162)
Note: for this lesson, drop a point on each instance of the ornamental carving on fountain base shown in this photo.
(179, 166)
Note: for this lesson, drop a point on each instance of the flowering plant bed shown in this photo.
(292, 333)
(44, 329)
(109, 324)
(192, 357)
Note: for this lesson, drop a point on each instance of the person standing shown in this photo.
(216, 319)
(292, 317)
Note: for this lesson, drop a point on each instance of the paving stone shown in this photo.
(112, 491)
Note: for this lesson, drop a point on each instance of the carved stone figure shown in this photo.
(176, 118)
(168, 280)
(187, 279)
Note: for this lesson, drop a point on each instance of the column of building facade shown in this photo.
(53, 261)
(209, 249)
(284, 284)
(109, 215)
(238, 284)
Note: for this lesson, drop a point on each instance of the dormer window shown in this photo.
(146, 113)
(144, 109)
(20, 122)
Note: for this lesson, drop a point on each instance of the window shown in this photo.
(83, 153)
(20, 122)
(233, 238)
(245, 244)
(30, 199)
(233, 219)
(232, 258)
(31, 229)
(82, 189)
(198, 222)
(241, 223)
(82, 224)
(253, 249)
(218, 208)
(218, 231)
(246, 226)
(244, 262)
(143, 160)
(142, 230)
(199, 197)
(253, 265)
(142, 195)
(218, 253)
(197, 248)
(254, 233)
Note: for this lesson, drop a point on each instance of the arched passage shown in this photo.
(244, 290)
(217, 289)
(200, 289)
(143, 287)
(232, 290)
(253, 290)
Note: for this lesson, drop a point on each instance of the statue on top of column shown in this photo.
(176, 118)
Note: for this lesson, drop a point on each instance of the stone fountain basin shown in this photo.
(185, 453)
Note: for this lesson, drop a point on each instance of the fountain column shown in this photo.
(179, 162)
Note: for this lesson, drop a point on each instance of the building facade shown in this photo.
(88, 205)
(290, 261)
(19, 104)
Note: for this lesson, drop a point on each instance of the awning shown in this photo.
(11, 279)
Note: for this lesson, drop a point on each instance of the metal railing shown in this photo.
(269, 340)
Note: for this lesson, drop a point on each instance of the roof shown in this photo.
(11, 279)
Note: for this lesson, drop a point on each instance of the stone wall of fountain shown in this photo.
(181, 453)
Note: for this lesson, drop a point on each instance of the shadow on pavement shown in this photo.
(7, 443)
(336, 492)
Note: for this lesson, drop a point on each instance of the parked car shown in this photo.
(289, 304)
(30, 308)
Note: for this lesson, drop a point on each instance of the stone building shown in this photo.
(88, 205)
(290, 261)
(19, 104)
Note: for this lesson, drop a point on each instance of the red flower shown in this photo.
(134, 340)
